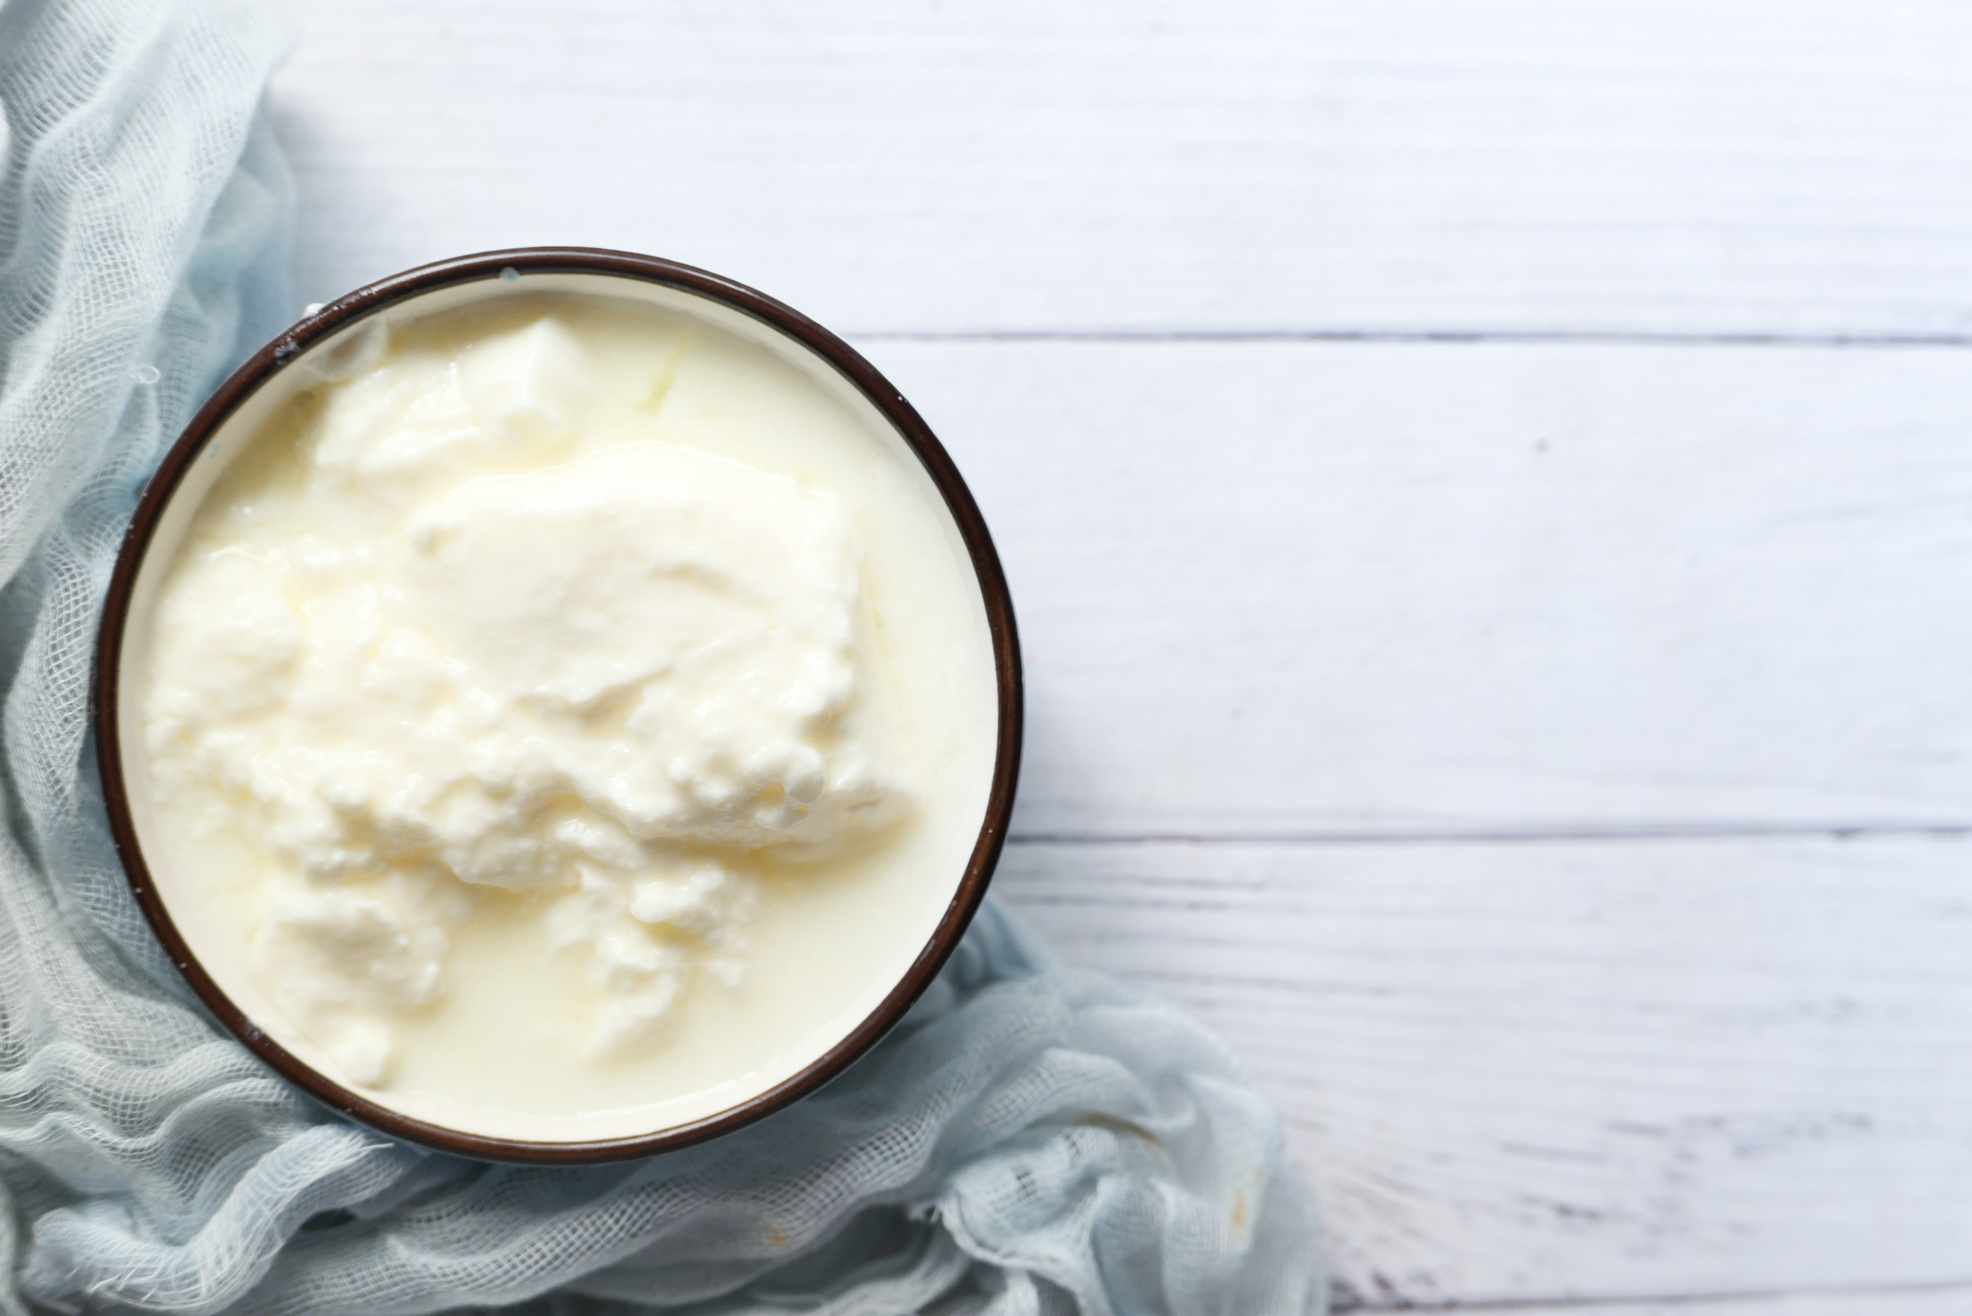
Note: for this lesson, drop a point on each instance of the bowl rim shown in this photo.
(313, 328)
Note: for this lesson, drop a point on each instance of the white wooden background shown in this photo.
(1487, 485)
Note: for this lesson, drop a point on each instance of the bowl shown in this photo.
(222, 430)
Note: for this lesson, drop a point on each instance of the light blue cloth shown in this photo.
(1031, 1140)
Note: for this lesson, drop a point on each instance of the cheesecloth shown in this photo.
(1031, 1140)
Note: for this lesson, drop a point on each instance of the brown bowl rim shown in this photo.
(313, 328)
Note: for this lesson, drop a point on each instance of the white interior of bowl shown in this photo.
(231, 438)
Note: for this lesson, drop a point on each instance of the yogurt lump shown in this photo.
(529, 665)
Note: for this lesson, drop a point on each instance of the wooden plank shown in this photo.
(1343, 588)
(1564, 1070)
(1673, 166)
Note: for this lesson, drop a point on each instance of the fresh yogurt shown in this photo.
(566, 716)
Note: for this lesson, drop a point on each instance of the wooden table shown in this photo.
(1488, 490)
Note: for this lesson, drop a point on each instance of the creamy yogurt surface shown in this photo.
(565, 718)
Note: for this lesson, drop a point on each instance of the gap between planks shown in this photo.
(1419, 334)
(1533, 834)
(1915, 1299)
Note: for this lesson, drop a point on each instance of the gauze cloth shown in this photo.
(1030, 1140)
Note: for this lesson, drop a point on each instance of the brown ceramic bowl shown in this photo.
(182, 481)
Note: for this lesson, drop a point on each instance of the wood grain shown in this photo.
(1577, 1070)
(1478, 588)
(1624, 166)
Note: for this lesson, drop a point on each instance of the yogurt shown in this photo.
(566, 718)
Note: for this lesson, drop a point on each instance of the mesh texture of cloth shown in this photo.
(1032, 1139)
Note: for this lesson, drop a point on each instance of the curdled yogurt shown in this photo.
(565, 713)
